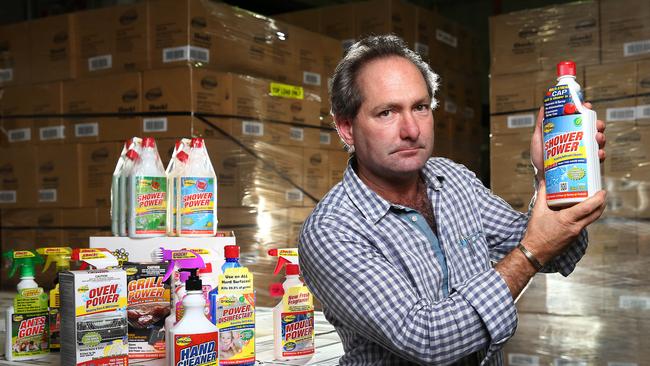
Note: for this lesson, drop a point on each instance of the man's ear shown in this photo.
(345, 130)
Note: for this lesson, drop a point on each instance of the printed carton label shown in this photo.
(196, 349)
(235, 315)
(198, 196)
(29, 334)
(151, 205)
(297, 322)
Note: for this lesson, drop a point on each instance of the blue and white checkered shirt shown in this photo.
(381, 285)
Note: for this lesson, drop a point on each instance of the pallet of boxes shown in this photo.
(446, 45)
(75, 86)
(599, 314)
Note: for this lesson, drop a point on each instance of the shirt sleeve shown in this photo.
(505, 228)
(364, 292)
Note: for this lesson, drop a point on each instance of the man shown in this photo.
(413, 259)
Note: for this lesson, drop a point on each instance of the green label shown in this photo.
(150, 205)
(30, 300)
(29, 335)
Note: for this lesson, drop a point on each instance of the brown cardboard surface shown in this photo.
(225, 156)
(338, 21)
(112, 39)
(53, 52)
(338, 162)
(443, 43)
(308, 19)
(16, 100)
(513, 124)
(58, 176)
(15, 61)
(514, 45)
(385, 16)
(513, 92)
(643, 90)
(50, 217)
(510, 166)
(424, 31)
(47, 98)
(611, 81)
(18, 176)
(315, 172)
(625, 30)
(619, 110)
(97, 163)
(443, 138)
(120, 94)
(628, 152)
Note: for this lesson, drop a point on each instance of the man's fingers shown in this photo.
(601, 155)
(540, 119)
(588, 105)
(586, 207)
(540, 199)
(600, 126)
(589, 219)
(601, 139)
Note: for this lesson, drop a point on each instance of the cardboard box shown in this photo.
(218, 35)
(58, 176)
(625, 30)
(50, 217)
(514, 92)
(15, 61)
(53, 51)
(121, 93)
(619, 110)
(47, 98)
(424, 32)
(510, 166)
(226, 157)
(338, 163)
(385, 16)
(97, 163)
(443, 43)
(309, 19)
(514, 43)
(443, 139)
(112, 39)
(338, 21)
(643, 92)
(628, 151)
(570, 31)
(315, 173)
(521, 124)
(18, 177)
(15, 100)
(611, 81)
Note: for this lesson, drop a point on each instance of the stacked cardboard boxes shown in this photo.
(75, 86)
(447, 46)
(596, 315)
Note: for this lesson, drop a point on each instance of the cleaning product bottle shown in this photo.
(61, 257)
(233, 309)
(115, 191)
(177, 259)
(26, 322)
(173, 181)
(285, 256)
(97, 258)
(571, 163)
(197, 206)
(195, 339)
(293, 319)
(148, 194)
(123, 190)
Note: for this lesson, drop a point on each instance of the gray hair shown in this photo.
(345, 95)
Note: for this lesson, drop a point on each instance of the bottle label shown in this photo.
(565, 153)
(297, 322)
(29, 334)
(150, 205)
(235, 314)
(196, 349)
(198, 195)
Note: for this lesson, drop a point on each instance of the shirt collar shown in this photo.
(371, 204)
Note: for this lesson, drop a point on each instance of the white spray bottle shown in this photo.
(132, 157)
(147, 194)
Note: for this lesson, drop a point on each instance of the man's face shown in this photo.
(393, 131)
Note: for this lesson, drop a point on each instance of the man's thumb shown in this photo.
(540, 198)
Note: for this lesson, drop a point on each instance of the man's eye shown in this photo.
(385, 113)
(421, 107)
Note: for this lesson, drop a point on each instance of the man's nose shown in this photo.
(409, 129)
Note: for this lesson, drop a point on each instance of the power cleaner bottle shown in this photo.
(147, 194)
(194, 338)
(571, 164)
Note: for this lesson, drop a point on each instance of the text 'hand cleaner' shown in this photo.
(197, 201)
(293, 319)
(147, 194)
(233, 308)
(195, 339)
(26, 322)
(571, 163)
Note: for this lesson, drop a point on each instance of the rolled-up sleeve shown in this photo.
(368, 294)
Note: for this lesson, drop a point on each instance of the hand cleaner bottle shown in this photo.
(194, 338)
(571, 163)
(148, 194)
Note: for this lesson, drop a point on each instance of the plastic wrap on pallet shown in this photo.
(536, 39)
(599, 314)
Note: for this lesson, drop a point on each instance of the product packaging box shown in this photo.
(18, 177)
(53, 50)
(15, 61)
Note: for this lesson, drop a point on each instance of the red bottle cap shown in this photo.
(182, 156)
(566, 68)
(197, 142)
(231, 251)
(132, 154)
(292, 269)
(148, 142)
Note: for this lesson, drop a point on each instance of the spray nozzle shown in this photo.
(26, 260)
(59, 255)
(285, 256)
(193, 281)
(98, 258)
(182, 258)
(276, 289)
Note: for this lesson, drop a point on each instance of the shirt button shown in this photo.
(414, 218)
